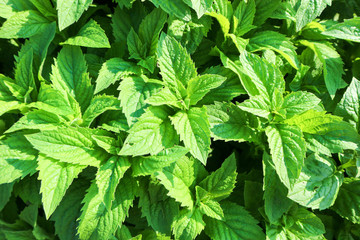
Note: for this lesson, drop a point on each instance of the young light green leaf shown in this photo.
(133, 93)
(56, 177)
(70, 74)
(200, 7)
(37, 119)
(243, 17)
(308, 10)
(6, 106)
(194, 130)
(69, 144)
(177, 179)
(98, 222)
(349, 105)
(220, 183)
(347, 203)
(176, 65)
(108, 177)
(237, 224)
(108, 143)
(45, 7)
(68, 211)
(298, 102)
(318, 184)
(207, 206)
(98, 105)
(89, 35)
(288, 149)
(150, 164)
(275, 193)
(175, 7)
(332, 65)
(228, 122)
(348, 30)
(165, 97)
(188, 224)
(24, 68)
(17, 158)
(70, 11)
(112, 70)
(276, 42)
(152, 133)
(199, 86)
(257, 105)
(23, 24)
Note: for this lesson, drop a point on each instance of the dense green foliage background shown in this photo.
(180, 119)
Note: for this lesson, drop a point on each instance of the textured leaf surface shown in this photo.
(194, 130)
(70, 11)
(299, 102)
(288, 149)
(90, 35)
(237, 224)
(56, 177)
(175, 7)
(308, 10)
(348, 30)
(188, 224)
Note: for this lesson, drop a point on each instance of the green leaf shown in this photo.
(228, 122)
(257, 105)
(318, 184)
(176, 66)
(188, 224)
(17, 158)
(221, 183)
(96, 221)
(237, 224)
(68, 211)
(98, 105)
(348, 30)
(109, 144)
(276, 42)
(152, 133)
(207, 206)
(9, 106)
(5, 194)
(349, 105)
(133, 93)
(298, 102)
(177, 179)
(222, 20)
(70, 11)
(347, 204)
(332, 65)
(194, 130)
(200, 7)
(69, 73)
(159, 209)
(243, 17)
(326, 131)
(5, 92)
(288, 149)
(264, 10)
(108, 177)
(137, 49)
(150, 28)
(56, 177)
(89, 35)
(175, 7)
(308, 10)
(24, 68)
(165, 97)
(23, 24)
(150, 164)
(71, 145)
(112, 70)
(275, 193)
(45, 7)
(121, 25)
(37, 119)
(199, 86)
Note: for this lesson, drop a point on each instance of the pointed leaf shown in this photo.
(188, 224)
(70, 11)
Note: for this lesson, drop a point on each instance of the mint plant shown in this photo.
(207, 119)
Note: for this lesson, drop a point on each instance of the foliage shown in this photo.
(181, 119)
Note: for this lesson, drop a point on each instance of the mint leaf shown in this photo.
(347, 30)
(237, 224)
(188, 224)
(70, 11)
(152, 133)
(89, 35)
(175, 7)
(243, 17)
(24, 68)
(69, 73)
(23, 24)
(228, 122)
(133, 93)
(308, 10)
(200, 7)
(112, 70)
(288, 149)
(56, 177)
(299, 102)
(193, 128)
(220, 183)
(318, 184)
